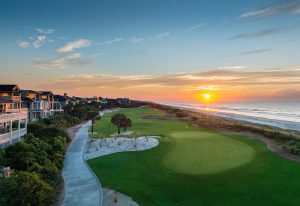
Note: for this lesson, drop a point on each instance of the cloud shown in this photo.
(220, 78)
(196, 27)
(227, 84)
(74, 45)
(161, 36)
(24, 44)
(108, 42)
(261, 33)
(285, 94)
(232, 67)
(287, 7)
(257, 51)
(60, 63)
(96, 55)
(135, 40)
(44, 31)
(33, 42)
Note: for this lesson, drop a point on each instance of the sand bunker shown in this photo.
(105, 146)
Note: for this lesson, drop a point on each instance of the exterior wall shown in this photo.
(43, 109)
(10, 135)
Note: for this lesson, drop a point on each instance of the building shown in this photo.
(13, 117)
(123, 100)
(63, 100)
(40, 104)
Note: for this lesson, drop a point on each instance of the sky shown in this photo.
(167, 50)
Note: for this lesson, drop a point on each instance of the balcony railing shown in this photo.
(16, 110)
(6, 117)
(10, 98)
(5, 138)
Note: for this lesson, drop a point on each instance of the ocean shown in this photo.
(282, 115)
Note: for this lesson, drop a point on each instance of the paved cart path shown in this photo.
(82, 187)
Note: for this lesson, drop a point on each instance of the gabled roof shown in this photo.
(46, 92)
(9, 88)
(29, 91)
(60, 98)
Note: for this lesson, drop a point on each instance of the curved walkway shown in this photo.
(82, 187)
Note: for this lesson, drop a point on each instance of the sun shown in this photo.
(207, 97)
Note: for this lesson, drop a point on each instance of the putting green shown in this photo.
(203, 153)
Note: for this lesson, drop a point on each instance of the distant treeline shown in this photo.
(290, 140)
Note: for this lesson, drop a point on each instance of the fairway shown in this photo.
(194, 166)
(206, 153)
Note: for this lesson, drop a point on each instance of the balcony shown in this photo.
(8, 138)
(10, 99)
(19, 110)
(13, 114)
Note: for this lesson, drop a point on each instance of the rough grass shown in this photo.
(265, 180)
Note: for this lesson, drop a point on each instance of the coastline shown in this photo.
(273, 137)
(279, 123)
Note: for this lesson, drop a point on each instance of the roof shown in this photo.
(9, 88)
(60, 98)
(26, 99)
(29, 91)
(46, 92)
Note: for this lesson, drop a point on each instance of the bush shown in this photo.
(60, 120)
(181, 114)
(24, 189)
(42, 156)
(48, 132)
(292, 146)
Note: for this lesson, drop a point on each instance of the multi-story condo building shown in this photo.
(40, 104)
(63, 100)
(13, 118)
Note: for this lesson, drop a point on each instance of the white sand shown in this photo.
(105, 146)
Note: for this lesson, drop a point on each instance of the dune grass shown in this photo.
(211, 168)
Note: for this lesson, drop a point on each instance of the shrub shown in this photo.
(292, 146)
(50, 132)
(24, 189)
(181, 114)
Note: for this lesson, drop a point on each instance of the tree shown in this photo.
(126, 124)
(92, 115)
(118, 120)
(23, 189)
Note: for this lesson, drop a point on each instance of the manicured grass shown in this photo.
(105, 128)
(206, 153)
(242, 170)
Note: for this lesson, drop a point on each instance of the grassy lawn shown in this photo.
(194, 166)
(192, 153)
(105, 128)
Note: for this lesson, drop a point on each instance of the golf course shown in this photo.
(194, 166)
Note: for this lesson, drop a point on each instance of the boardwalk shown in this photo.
(81, 186)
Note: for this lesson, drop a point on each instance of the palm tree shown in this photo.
(93, 115)
(118, 120)
(127, 124)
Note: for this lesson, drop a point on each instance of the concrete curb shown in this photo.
(92, 172)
